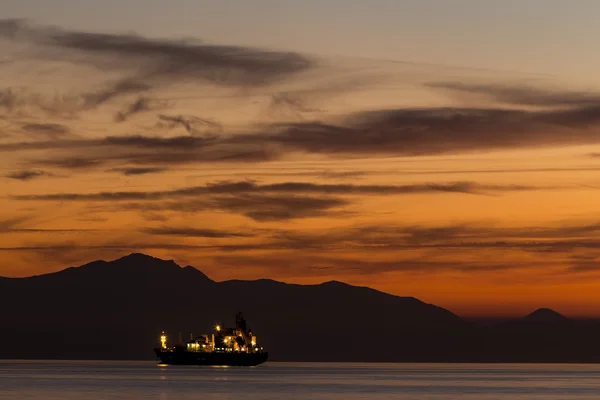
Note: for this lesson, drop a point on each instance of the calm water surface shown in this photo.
(94, 380)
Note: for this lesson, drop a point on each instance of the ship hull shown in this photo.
(215, 359)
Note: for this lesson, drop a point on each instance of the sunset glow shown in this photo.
(467, 186)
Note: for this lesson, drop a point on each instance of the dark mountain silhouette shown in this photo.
(116, 310)
(545, 315)
(545, 336)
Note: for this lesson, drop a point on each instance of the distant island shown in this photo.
(116, 310)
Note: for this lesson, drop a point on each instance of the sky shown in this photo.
(447, 150)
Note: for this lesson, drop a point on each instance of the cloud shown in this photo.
(289, 105)
(156, 62)
(151, 156)
(264, 203)
(131, 246)
(27, 175)
(350, 189)
(498, 171)
(144, 150)
(195, 232)
(173, 143)
(366, 250)
(50, 145)
(193, 125)
(23, 102)
(128, 171)
(9, 99)
(583, 267)
(296, 188)
(70, 163)
(387, 238)
(15, 225)
(7, 225)
(41, 230)
(52, 131)
(265, 208)
(395, 132)
(125, 86)
(258, 207)
(430, 131)
(523, 95)
(323, 265)
(404, 132)
(142, 104)
(337, 174)
(558, 118)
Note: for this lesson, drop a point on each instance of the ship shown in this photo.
(222, 347)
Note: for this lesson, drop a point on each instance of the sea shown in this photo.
(95, 380)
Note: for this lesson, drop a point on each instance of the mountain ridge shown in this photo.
(121, 306)
(545, 315)
(141, 257)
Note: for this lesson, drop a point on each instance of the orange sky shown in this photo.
(476, 191)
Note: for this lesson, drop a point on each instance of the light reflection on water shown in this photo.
(95, 380)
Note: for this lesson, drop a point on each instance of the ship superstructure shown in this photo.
(224, 346)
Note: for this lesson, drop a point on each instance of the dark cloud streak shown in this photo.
(28, 175)
(141, 105)
(157, 61)
(52, 131)
(193, 125)
(196, 232)
(123, 87)
(429, 131)
(523, 95)
(129, 171)
(70, 163)
(266, 208)
(245, 187)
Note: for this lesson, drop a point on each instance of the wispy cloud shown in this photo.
(129, 171)
(428, 131)
(265, 208)
(246, 187)
(268, 202)
(325, 265)
(141, 105)
(400, 132)
(522, 95)
(361, 250)
(22, 224)
(538, 117)
(562, 238)
(156, 62)
(193, 125)
(70, 163)
(12, 223)
(27, 175)
(52, 131)
(143, 150)
(197, 233)
(258, 207)
(125, 86)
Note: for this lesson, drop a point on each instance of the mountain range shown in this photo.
(117, 309)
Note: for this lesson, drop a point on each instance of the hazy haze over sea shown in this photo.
(91, 380)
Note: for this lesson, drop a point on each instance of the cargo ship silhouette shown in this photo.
(223, 347)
